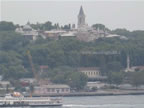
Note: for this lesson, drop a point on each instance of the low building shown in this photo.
(28, 32)
(91, 72)
(115, 35)
(51, 89)
(130, 68)
(70, 34)
(53, 34)
(44, 81)
(137, 68)
(44, 68)
(27, 81)
(5, 86)
(97, 85)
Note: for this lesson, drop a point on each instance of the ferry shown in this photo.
(18, 101)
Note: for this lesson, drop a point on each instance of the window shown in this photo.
(48, 89)
(63, 89)
(67, 89)
(53, 89)
(91, 73)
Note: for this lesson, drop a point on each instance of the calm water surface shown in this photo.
(131, 101)
(105, 102)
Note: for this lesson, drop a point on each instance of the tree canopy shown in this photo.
(60, 53)
(7, 26)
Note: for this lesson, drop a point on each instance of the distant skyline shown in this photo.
(120, 14)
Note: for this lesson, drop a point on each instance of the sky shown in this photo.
(113, 14)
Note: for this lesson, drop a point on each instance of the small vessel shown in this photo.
(11, 100)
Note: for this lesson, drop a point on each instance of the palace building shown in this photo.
(83, 32)
(27, 31)
(86, 33)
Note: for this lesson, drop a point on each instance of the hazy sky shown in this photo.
(119, 14)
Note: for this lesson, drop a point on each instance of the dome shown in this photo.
(27, 27)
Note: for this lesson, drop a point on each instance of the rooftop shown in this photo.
(88, 68)
(54, 86)
(81, 12)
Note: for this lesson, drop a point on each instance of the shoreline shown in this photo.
(97, 93)
(110, 92)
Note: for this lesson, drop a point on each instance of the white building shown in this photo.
(70, 34)
(5, 85)
(27, 81)
(86, 33)
(96, 84)
(130, 68)
(53, 34)
(28, 32)
(91, 72)
(52, 89)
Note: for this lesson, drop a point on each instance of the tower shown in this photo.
(128, 68)
(128, 62)
(81, 18)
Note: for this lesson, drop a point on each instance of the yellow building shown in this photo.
(91, 72)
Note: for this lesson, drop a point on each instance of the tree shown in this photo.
(9, 40)
(68, 75)
(115, 77)
(67, 27)
(10, 65)
(47, 25)
(114, 66)
(7, 26)
(67, 52)
(103, 67)
(137, 79)
(123, 32)
(100, 27)
(77, 80)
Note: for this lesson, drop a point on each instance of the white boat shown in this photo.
(12, 101)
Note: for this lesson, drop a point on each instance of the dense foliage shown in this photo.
(49, 26)
(7, 26)
(14, 62)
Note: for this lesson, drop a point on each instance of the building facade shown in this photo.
(28, 32)
(85, 32)
(52, 89)
(91, 72)
(82, 33)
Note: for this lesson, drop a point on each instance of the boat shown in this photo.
(11, 100)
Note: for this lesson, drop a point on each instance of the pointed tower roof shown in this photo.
(81, 12)
(28, 23)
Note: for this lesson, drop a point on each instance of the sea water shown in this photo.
(127, 101)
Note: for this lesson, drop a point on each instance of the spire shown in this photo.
(128, 62)
(81, 18)
(81, 12)
(28, 23)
